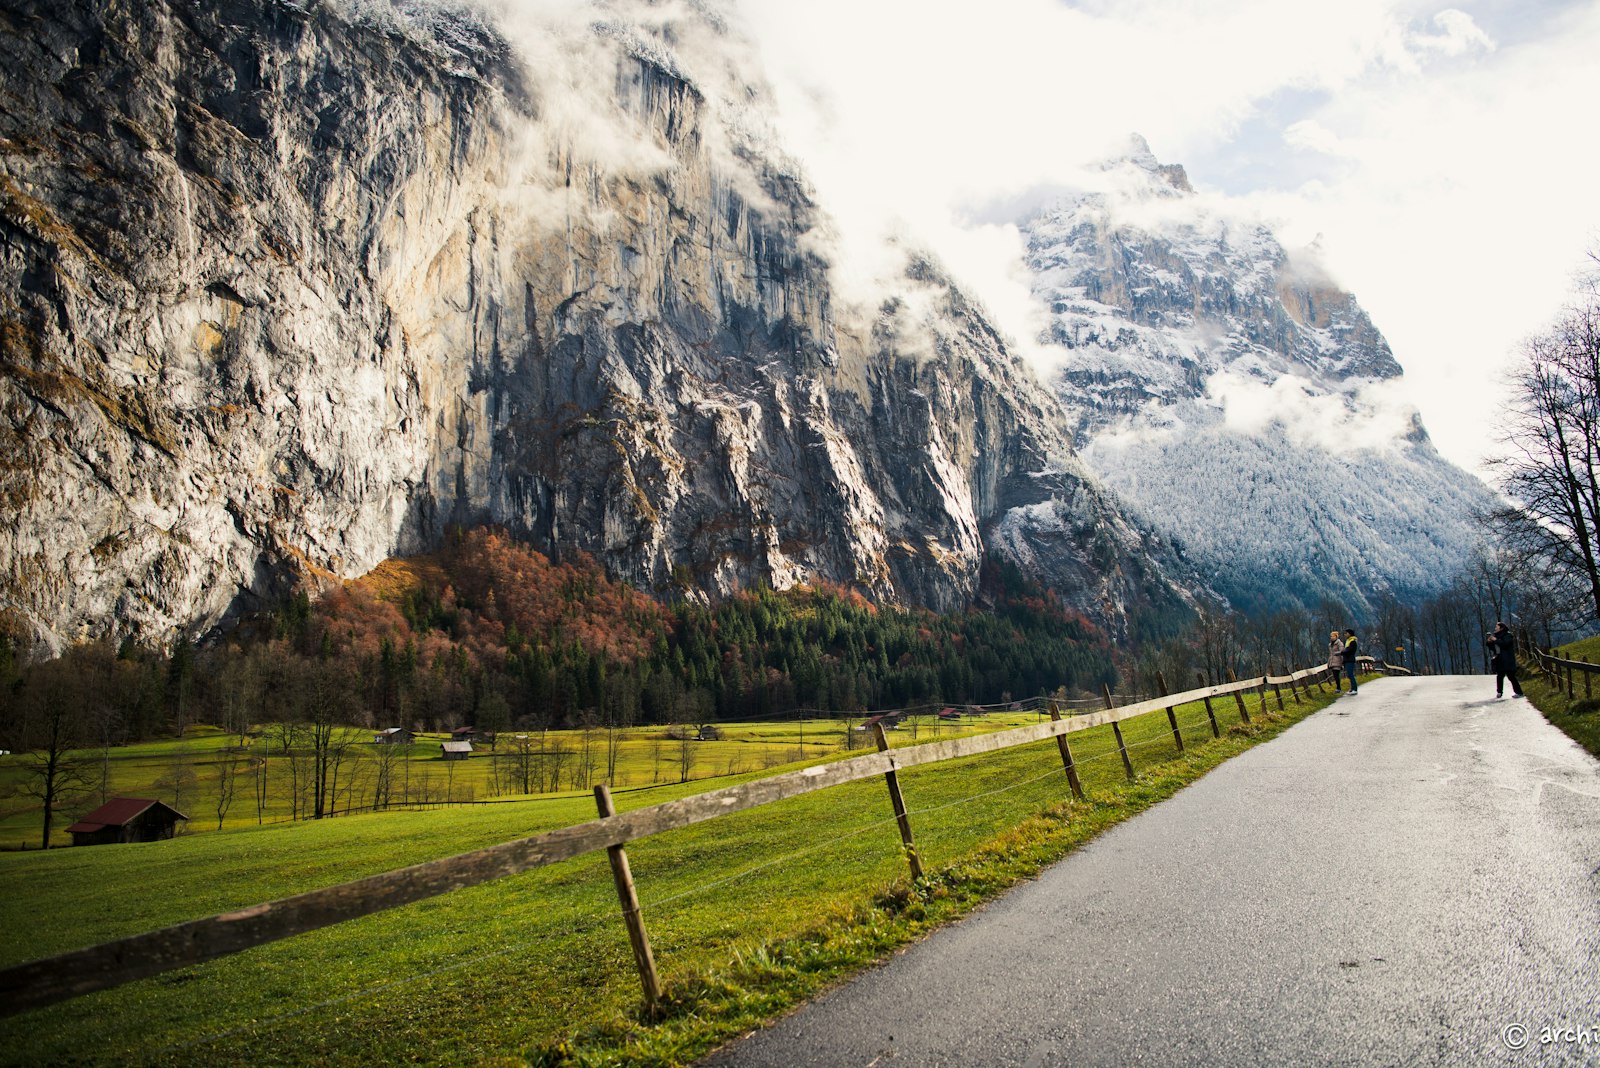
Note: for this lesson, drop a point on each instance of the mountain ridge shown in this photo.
(299, 286)
(1207, 367)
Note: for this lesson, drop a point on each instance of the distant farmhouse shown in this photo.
(455, 750)
(127, 819)
(472, 734)
(394, 736)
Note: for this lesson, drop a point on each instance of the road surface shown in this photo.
(1409, 877)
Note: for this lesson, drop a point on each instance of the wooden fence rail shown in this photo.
(1549, 661)
(1562, 671)
(110, 964)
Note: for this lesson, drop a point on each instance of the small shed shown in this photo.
(394, 736)
(473, 734)
(456, 750)
(127, 819)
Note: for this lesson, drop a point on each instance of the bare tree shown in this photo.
(685, 733)
(179, 776)
(1549, 464)
(1216, 644)
(387, 758)
(49, 733)
(227, 779)
(325, 711)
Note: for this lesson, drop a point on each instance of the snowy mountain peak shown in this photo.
(1207, 367)
(1150, 176)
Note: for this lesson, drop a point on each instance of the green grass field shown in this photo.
(748, 915)
(1580, 716)
(185, 772)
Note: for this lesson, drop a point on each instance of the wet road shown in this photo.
(1405, 878)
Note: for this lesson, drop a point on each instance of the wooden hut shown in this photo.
(127, 819)
(455, 750)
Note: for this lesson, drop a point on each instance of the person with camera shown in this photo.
(1503, 659)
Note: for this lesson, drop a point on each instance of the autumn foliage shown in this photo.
(489, 632)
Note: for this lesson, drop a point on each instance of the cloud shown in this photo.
(1459, 35)
(1440, 151)
(1312, 136)
(1359, 418)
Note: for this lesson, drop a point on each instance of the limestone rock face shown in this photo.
(288, 287)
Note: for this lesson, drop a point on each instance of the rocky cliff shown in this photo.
(1209, 371)
(290, 286)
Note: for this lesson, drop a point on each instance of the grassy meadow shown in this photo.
(188, 772)
(748, 914)
(1580, 716)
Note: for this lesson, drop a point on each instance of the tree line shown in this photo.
(493, 634)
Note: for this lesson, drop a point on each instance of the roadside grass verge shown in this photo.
(749, 915)
(1578, 718)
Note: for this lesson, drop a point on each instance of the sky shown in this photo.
(1441, 156)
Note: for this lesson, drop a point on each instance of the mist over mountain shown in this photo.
(293, 286)
(1208, 370)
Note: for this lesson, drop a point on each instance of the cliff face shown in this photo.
(1212, 373)
(289, 287)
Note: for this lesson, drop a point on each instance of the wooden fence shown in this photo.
(110, 964)
(1562, 672)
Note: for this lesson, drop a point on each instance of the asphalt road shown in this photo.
(1405, 878)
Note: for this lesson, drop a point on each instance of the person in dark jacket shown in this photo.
(1350, 651)
(1503, 660)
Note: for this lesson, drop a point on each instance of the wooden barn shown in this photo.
(394, 736)
(455, 750)
(127, 819)
(473, 734)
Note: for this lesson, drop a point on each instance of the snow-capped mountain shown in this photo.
(1240, 400)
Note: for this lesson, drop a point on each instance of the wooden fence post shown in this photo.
(1116, 728)
(1294, 691)
(1588, 687)
(1238, 697)
(1277, 691)
(623, 875)
(1066, 755)
(1569, 681)
(1261, 692)
(1216, 732)
(893, 779)
(1172, 715)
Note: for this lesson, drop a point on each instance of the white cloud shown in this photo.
(1458, 35)
(1311, 135)
(1363, 418)
(1441, 152)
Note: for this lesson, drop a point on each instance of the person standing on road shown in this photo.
(1350, 651)
(1503, 660)
(1335, 657)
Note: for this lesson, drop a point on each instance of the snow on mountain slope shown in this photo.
(1241, 401)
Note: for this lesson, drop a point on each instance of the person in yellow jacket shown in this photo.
(1350, 651)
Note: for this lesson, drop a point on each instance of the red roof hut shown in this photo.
(127, 819)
